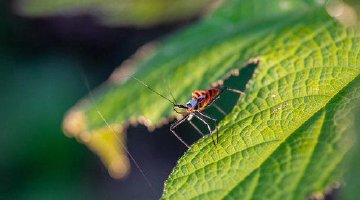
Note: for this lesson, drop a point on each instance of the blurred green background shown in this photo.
(42, 60)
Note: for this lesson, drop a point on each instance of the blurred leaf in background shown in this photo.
(118, 13)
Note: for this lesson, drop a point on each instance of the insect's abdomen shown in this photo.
(211, 94)
(205, 97)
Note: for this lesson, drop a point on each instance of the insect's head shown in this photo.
(189, 107)
(180, 109)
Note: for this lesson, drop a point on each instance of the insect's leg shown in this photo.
(196, 128)
(219, 109)
(216, 124)
(236, 91)
(208, 126)
(206, 116)
(174, 125)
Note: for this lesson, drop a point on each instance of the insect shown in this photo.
(201, 99)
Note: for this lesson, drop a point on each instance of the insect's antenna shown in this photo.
(85, 80)
(148, 87)
(169, 90)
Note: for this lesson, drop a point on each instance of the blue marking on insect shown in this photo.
(191, 104)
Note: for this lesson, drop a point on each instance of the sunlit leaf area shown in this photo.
(142, 99)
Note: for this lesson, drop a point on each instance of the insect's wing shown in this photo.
(197, 93)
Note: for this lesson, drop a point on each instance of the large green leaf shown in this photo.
(285, 139)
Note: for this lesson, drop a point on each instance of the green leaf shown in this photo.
(285, 139)
(115, 12)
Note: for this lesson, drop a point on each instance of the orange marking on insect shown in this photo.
(204, 98)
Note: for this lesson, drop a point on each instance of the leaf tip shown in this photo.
(118, 169)
(104, 142)
(110, 147)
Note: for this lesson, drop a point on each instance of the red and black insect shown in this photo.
(201, 99)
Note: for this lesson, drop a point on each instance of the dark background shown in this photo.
(41, 65)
